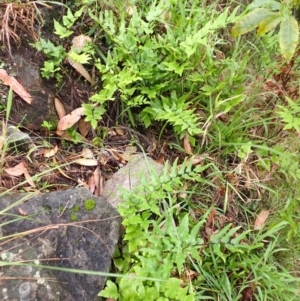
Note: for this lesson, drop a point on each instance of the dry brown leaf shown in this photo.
(199, 158)
(48, 153)
(98, 182)
(17, 170)
(187, 276)
(110, 132)
(81, 70)
(261, 219)
(187, 145)
(87, 153)
(60, 109)
(84, 127)
(86, 162)
(91, 184)
(29, 189)
(102, 158)
(248, 294)
(69, 120)
(160, 160)
(22, 212)
(15, 85)
(120, 131)
(29, 179)
(60, 133)
(117, 156)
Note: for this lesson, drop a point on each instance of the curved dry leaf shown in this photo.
(60, 109)
(91, 184)
(17, 170)
(69, 120)
(29, 179)
(120, 131)
(15, 85)
(86, 162)
(117, 156)
(102, 158)
(22, 212)
(87, 153)
(80, 69)
(99, 181)
(84, 127)
(60, 133)
(261, 219)
(187, 145)
(48, 153)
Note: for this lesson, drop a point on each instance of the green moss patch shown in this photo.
(89, 204)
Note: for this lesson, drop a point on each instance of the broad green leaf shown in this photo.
(288, 37)
(111, 291)
(61, 31)
(183, 229)
(233, 249)
(218, 252)
(250, 21)
(238, 238)
(269, 24)
(174, 66)
(274, 5)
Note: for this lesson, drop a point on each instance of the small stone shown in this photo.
(129, 177)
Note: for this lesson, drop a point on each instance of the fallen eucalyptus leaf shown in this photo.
(15, 85)
(86, 162)
(261, 219)
(69, 120)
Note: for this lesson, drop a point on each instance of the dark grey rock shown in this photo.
(42, 107)
(48, 236)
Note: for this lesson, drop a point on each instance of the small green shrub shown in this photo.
(163, 241)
